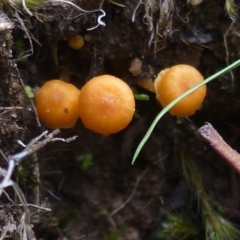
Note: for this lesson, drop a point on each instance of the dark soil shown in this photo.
(109, 198)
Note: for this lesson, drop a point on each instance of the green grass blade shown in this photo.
(175, 101)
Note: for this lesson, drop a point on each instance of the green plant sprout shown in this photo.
(87, 162)
(175, 101)
(141, 97)
(28, 90)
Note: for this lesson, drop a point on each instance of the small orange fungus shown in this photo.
(57, 104)
(174, 81)
(106, 104)
(75, 42)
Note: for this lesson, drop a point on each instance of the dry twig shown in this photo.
(231, 156)
(24, 228)
(32, 147)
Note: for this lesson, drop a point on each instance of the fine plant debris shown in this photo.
(154, 174)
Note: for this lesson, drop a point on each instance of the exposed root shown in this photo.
(135, 10)
(148, 20)
(132, 194)
(117, 4)
(158, 17)
(16, 4)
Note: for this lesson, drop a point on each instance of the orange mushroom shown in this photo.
(172, 82)
(106, 104)
(75, 42)
(57, 104)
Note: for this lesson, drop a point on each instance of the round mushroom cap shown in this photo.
(173, 82)
(57, 104)
(75, 42)
(106, 104)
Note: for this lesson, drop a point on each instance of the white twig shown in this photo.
(25, 8)
(21, 143)
(38, 207)
(32, 147)
(67, 140)
(24, 228)
(9, 108)
(6, 182)
(28, 204)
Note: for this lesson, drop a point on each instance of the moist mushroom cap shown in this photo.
(106, 104)
(57, 104)
(174, 81)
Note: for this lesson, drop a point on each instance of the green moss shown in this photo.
(177, 227)
(112, 236)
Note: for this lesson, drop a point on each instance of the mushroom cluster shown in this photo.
(105, 104)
